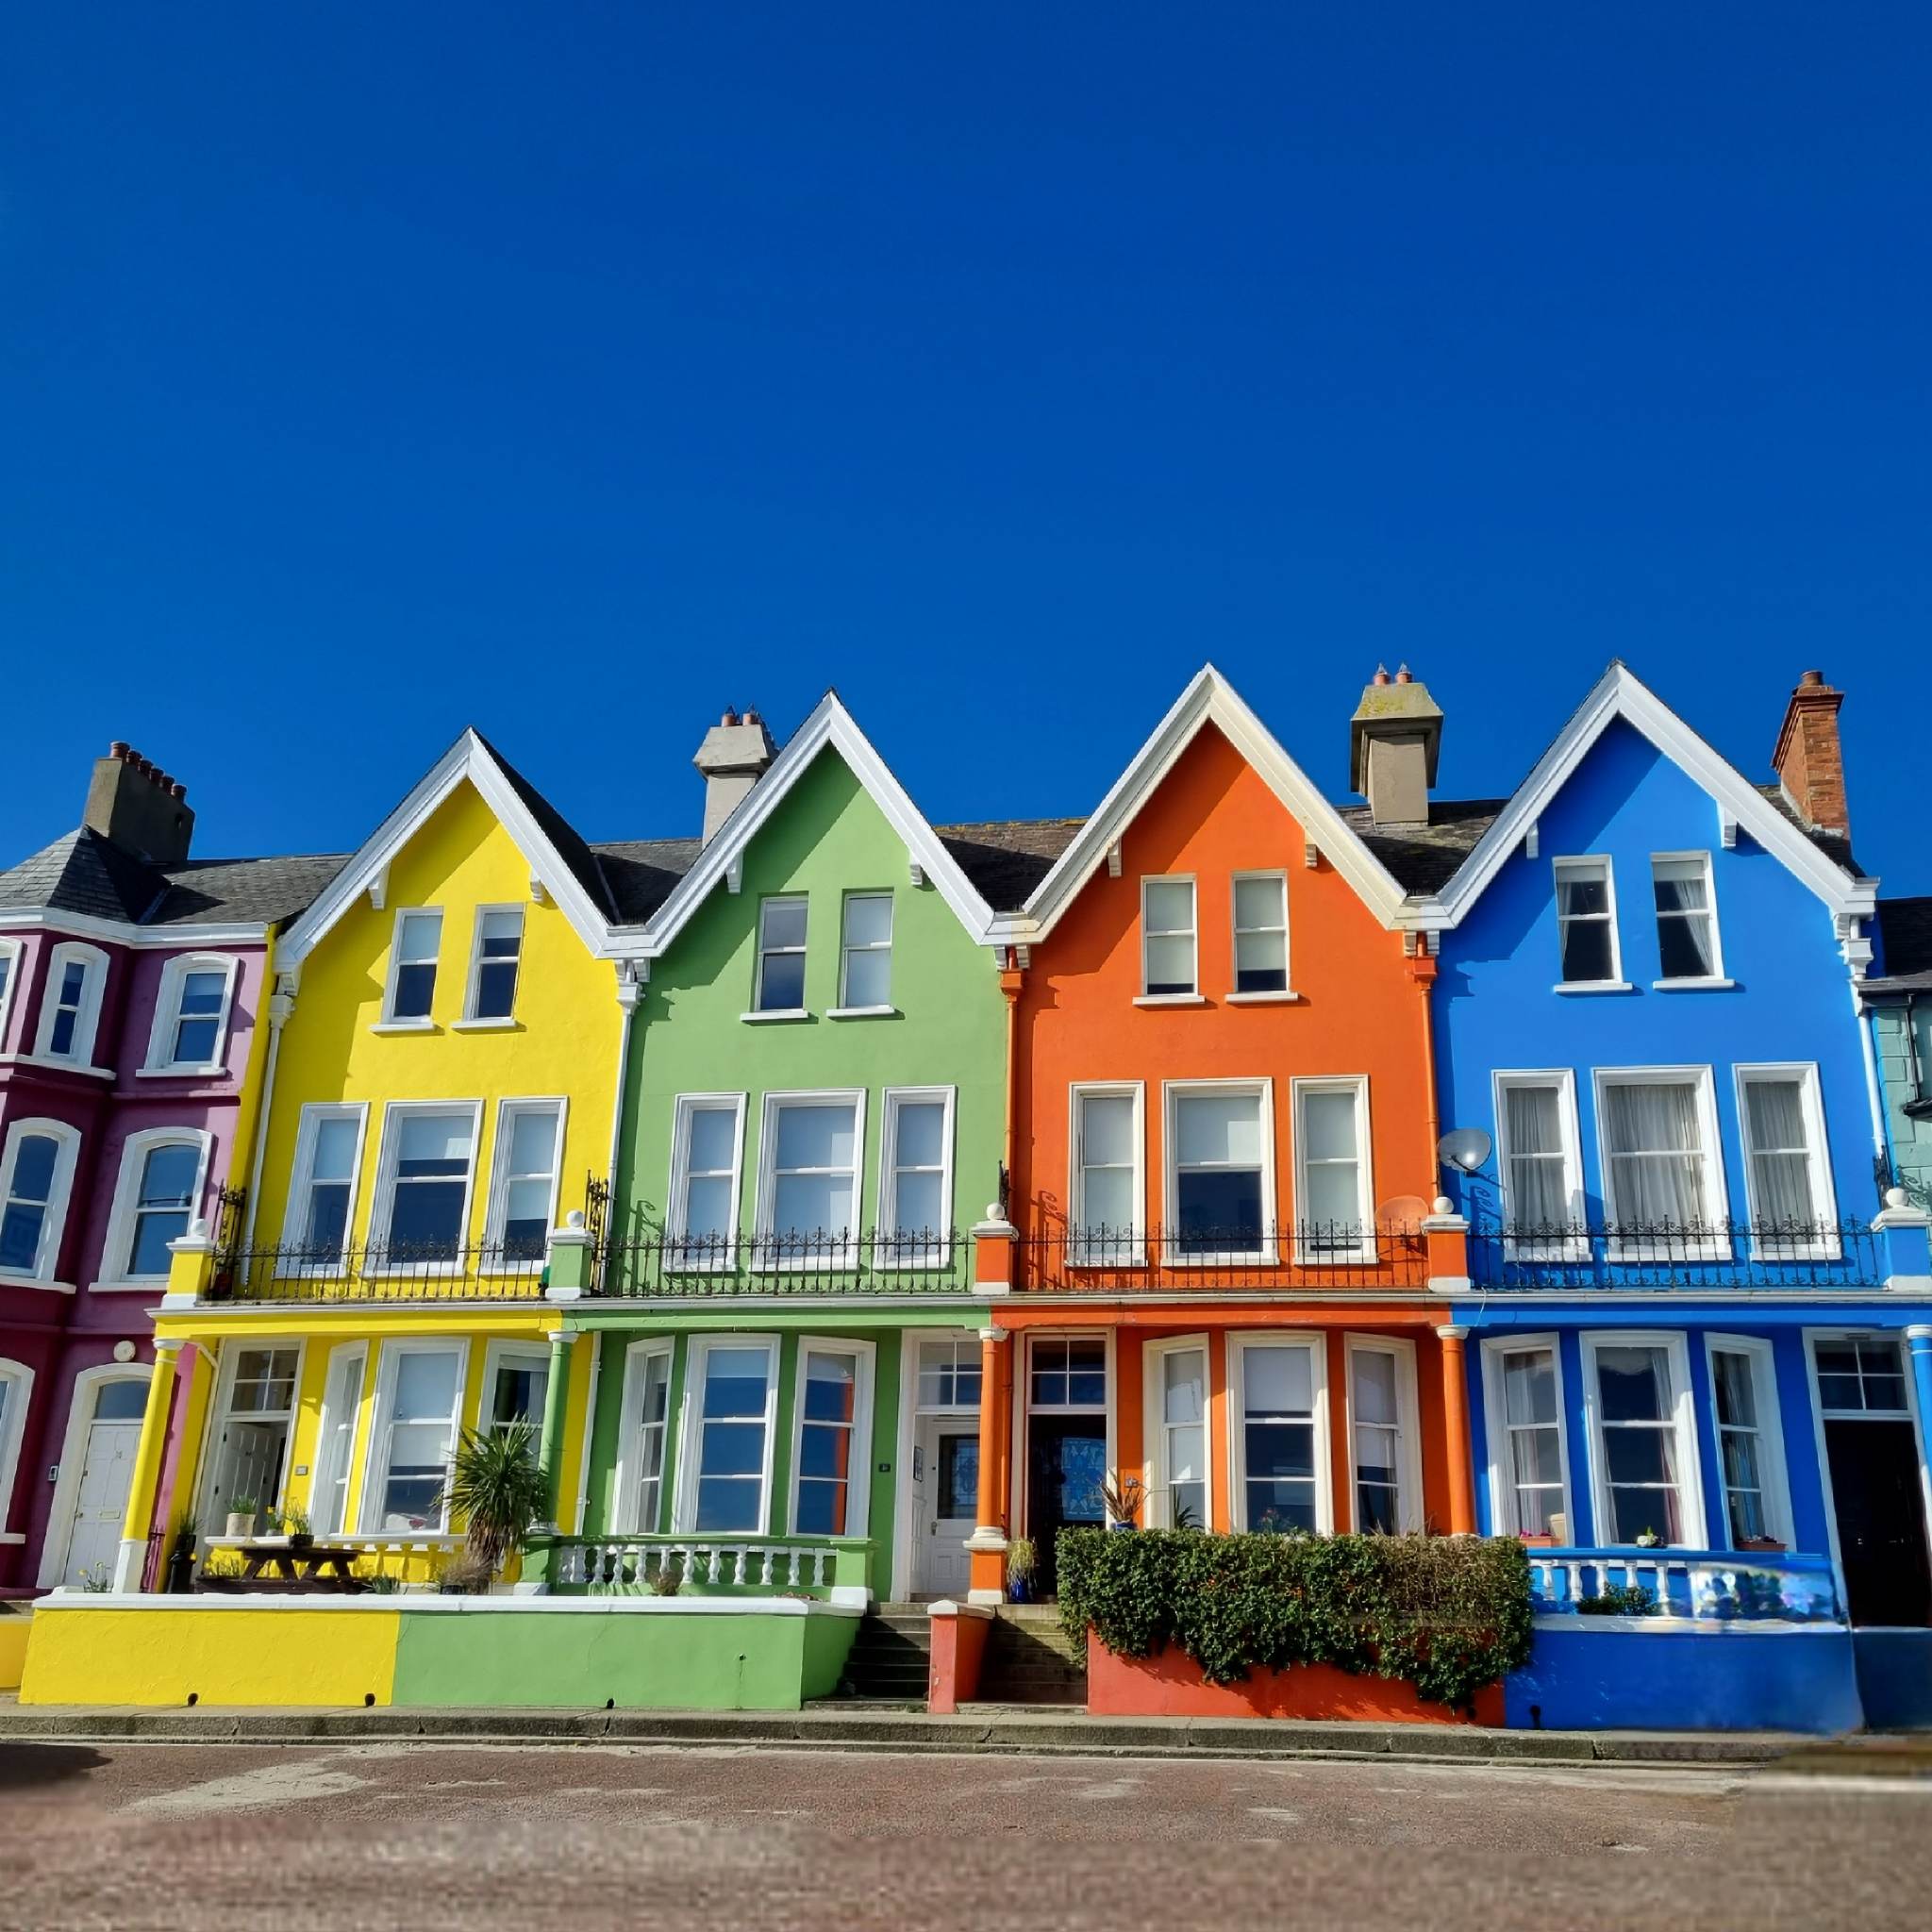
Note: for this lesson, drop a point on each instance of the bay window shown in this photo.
(644, 1438)
(161, 1182)
(1642, 1448)
(1280, 1452)
(334, 1440)
(71, 1006)
(419, 1402)
(1176, 1406)
(191, 1014)
(1750, 1439)
(832, 1453)
(1523, 1396)
(728, 1459)
(1382, 1435)
(36, 1177)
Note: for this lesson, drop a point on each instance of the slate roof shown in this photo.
(84, 874)
(1006, 858)
(1904, 935)
(640, 874)
(1423, 858)
(568, 841)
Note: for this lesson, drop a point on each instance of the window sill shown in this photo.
(1576, 986)
(1691, 985)
(503, 1025)
(56, 1065)
(10, 1280)
(179, 1073)
(862, 1012)
(1286, 997)
(1170, 999)
(158, 1285)
(406, 1026)
(775, 1015)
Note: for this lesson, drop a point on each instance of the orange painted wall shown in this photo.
(1360, 1009)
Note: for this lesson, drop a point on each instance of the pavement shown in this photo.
(432, 1834)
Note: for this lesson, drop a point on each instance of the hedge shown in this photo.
(1448, 1615)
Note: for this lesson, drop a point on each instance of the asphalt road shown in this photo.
(432, 1836)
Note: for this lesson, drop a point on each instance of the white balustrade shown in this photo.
(630, 1563)
(1684, 1584)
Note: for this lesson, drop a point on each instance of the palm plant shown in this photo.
(497, 1486)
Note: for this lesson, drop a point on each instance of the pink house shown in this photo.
(131, 986)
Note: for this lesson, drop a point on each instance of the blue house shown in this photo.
(1692, 1288)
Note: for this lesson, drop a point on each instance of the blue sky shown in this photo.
(578, 371)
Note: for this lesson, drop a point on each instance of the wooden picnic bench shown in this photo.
(282, 1566)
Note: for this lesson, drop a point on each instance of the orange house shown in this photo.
(1218, 1274)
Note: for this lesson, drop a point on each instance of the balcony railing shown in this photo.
(1711, 1586)
(1305, 1259)
(1727, 1254)
(877, 1261)
(389, 1271)
(634, 1565)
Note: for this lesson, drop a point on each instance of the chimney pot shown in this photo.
(120, 749)
(1381, 675)
(177, 789)
(736, 751)
(1402, 675)
(1812, 678)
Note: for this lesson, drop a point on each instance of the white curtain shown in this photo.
(1657, 1160)
(1780, 1161)
(1539, 1189)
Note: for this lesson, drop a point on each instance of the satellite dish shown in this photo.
(1464, 1149)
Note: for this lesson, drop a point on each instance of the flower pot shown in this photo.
(1018, 1590)
(1122, 1526)
(240, 1526)
(302, 1539)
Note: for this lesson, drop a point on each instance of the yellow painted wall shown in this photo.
(14, 1625)
(227, 1657)
(565, 1040)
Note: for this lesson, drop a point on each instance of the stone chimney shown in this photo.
(1809, 766)
(1394, 740)
(734, 753)
(134, 805)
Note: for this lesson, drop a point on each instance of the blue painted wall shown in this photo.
(1496, 1007)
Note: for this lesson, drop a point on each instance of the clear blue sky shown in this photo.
(577, 371)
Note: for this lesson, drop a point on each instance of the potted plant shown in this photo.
(1021, 1561)
(495, 1485)
(178, 1576)
(242, 1514)
(1649, 1539)
(301, 1533)
(1122, 1495)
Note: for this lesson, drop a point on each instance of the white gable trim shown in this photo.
(1208, 699)
(468, 758)
(1620, 693)
(147, 938)
(830, 724)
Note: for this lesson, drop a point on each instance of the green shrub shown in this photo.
(1448, 1615)
(1620, 1600)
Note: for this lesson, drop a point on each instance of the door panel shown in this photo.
(1065, 1466)
(948, 1499)
(101, 1503)
(1881, 1521)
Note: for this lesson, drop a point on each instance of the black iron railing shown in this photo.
(1302, 1258)
(1725, 1254)
(653, 1263)
(382, 1272)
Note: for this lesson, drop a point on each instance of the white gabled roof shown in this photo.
(469, 757)
(830, 724)
(1210, 699)
(1620, 693)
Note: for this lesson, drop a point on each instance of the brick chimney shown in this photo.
(1808, 763)
(735, 752)
(138, 807)
(1394, 741)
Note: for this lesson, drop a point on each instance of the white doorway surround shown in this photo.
(939, 1459)
(96, 1468)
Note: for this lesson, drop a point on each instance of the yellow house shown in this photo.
(439, 1103)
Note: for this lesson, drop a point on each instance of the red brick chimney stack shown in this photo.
(1809, 762)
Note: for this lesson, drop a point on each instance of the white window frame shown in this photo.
(1366, 1249)
(393, 1113)
(887, 1211)
(496, 1213)
(167, 1020)
(1154, 1425)
(19, 1381)
(1825, 1198)
(803, 949)
(1683, 1416)
(1267, 1251)
(327, 1435)
(1716, 975)
(87, 1017)
(846, 948)
(1575, 1247)
(858, 1478)
(498, 1351)
(1105, 1406)
(690, 1431)
(294, 1242)
(1132, 1253)
(376, 1463)
(59, 1190)
(1713, 1247)
(1192, 995)
(415, 1024)
(1286, 990)
(117, 1251)
(1315, 1342)
(222, 1415)
(630, 1423)
(676, 1234)
(1776, 1488)
(769, 1262)
(473, 986)
(1572, 862)
(11, 953)
(1408, 1467)
(1503, 1513)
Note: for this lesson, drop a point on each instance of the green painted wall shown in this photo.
(639, 1663)
(1911, 1140)
(827, 839)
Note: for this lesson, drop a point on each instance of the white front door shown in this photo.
(94, 1542)
(946, 1452)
